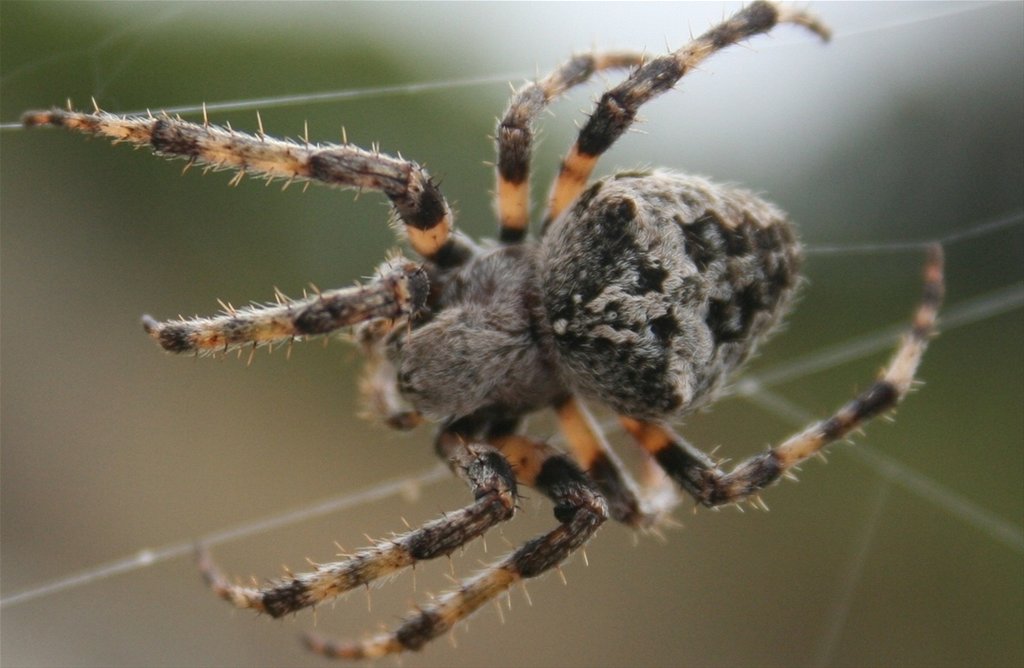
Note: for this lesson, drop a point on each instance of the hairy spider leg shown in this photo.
(514, 135)
(415, 197)
(592, 452)
(579, 508)
(481, 467)
(618, 106)
(398, 293)
(699, 475)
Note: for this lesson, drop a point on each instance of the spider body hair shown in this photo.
(646, 295)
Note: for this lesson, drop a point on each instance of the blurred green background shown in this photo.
(907, 127)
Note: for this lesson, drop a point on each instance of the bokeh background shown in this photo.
(908, 126)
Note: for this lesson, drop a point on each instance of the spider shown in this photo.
(644, 291)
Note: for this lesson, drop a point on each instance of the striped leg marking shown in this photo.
(416, 198)
(400, 293)
(618, 107)
(515, 134)
(592, 452)
(578, 506)
(699, 475)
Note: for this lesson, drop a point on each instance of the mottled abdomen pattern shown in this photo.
(659, 285)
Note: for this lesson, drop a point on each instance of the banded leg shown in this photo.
(592, 452)
(515, 134)
(618, 107)
(494, 489)
(398, 293)
(698, 474)
(578, 506)
(416, 198)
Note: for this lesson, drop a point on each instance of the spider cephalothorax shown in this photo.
(644, 291)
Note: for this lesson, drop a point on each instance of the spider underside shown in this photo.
(644, 291)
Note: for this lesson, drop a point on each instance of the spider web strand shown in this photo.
(344, 94)
(1002, 300)
(937, 494)
(983, 228)
(145, 558)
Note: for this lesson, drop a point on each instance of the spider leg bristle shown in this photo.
(561, 575)
(259, 126)
(526, 594)
(206, 118)
(95, 105)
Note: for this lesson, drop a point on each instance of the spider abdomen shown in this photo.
(659, 285)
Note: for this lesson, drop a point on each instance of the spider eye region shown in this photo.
(658, 286)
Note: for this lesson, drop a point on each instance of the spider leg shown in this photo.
(699, 475)
(592, 452)
(416, 198)
(514, 135)
(398, 293)
(381, 396)
(618, 107)
(494, 488)
(579, 508)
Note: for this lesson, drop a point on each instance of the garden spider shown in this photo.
(645, 291)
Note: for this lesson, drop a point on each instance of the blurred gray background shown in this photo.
(908, 126)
